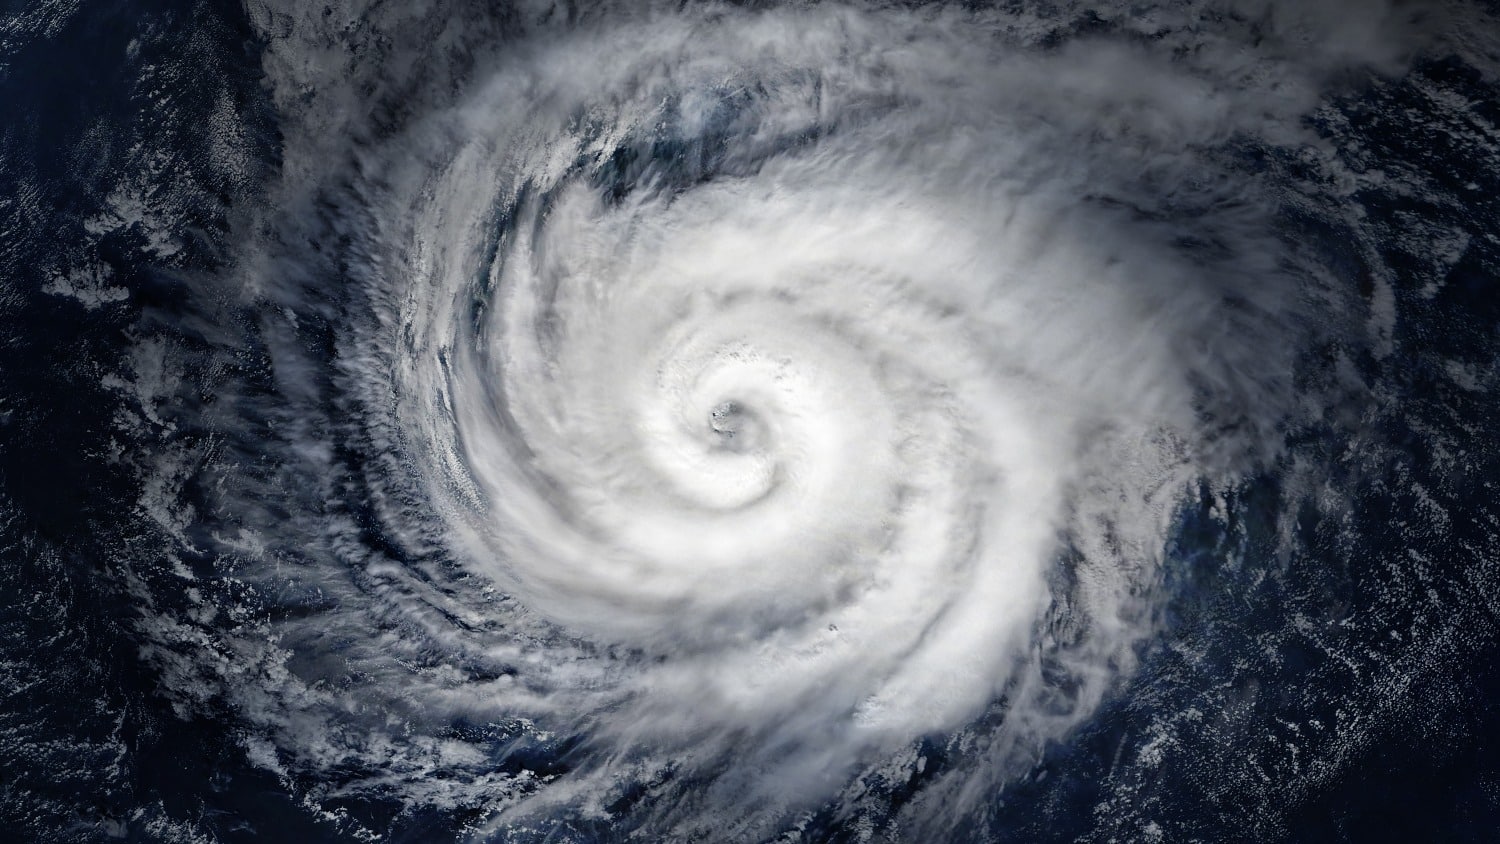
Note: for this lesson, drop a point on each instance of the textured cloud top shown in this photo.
(705, 421)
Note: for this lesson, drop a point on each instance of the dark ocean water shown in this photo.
(1323, 664)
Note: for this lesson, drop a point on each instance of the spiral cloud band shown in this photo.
(684, 416)
(804, 429)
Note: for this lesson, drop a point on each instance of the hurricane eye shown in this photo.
(726, 419)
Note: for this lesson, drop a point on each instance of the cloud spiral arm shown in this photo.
(726, 401)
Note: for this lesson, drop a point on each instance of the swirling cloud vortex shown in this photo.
(759, 393)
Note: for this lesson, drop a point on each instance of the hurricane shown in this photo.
(838, 421)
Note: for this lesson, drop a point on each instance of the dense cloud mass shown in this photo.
(807, 421)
